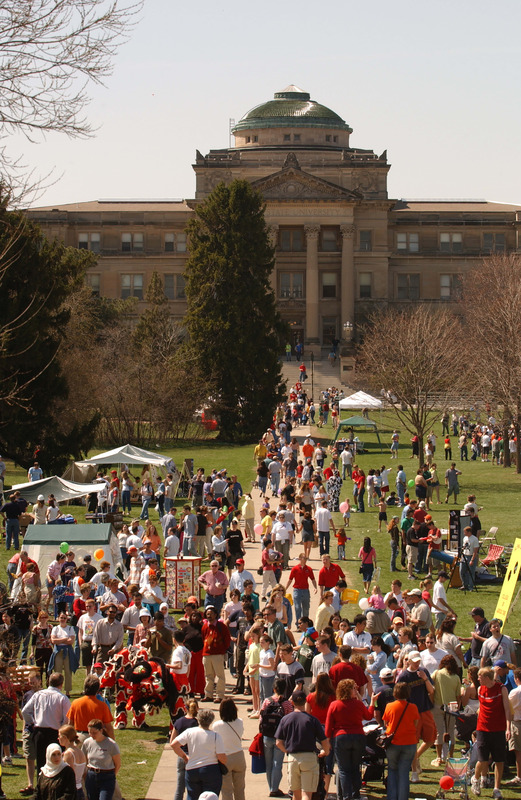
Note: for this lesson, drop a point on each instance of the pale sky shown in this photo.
(437, 85)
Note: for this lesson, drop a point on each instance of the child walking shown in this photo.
(341, 538)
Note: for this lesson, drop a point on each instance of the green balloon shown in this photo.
(64, 548)
(410, 483)
(225, 509)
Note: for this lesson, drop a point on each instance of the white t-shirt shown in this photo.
(431, 661)
(439, 593)
(322, 519)
(321, 663)
(357, 639)
(86, 625)
(281, 531)
(182, 654)
(62, 633)
(202, 745)
(96, 579)
(515, 701)
(264, 670)
(470, 543)
(172, 546)
(231, 734)
(384, 474)
(346, 456)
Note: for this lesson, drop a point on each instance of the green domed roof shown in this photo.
(293, 107)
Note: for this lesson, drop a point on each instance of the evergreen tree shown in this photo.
(232, 319)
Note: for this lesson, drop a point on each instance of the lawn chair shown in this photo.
(490, 539)
(493, 558)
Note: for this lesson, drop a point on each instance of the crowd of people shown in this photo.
(315, 682)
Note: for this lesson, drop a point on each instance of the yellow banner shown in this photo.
(509, 584)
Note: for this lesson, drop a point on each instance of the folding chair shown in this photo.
(490, 539)
(493, 558)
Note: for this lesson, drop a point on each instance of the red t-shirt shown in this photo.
(327, 473)
(330, 577)
(345, 717)
(344, 669)
(301, 576)
(491, 715)
(419, 515)
(320, 712)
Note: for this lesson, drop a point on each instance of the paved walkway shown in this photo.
(164, 781)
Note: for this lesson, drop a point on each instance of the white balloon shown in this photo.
(363, 603)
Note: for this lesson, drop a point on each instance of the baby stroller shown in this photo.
(374, 758)
(458, 770)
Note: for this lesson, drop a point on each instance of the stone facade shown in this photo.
(343, 248)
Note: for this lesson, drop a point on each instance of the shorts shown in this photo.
(486, 451)
(28, 746)
(445, 723)
(491, 745)
(427, 727)
(303, 772)
(382, 516)
(412, 553)
(453, 490)
(514, 743)
(385, 489)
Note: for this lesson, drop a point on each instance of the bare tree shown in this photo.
(492, 311)
(50, 50)
(413, 356)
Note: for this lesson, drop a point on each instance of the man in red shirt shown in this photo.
(300, 575)
(329, 575)
(494, 719)
(344, 669)
(216, 637)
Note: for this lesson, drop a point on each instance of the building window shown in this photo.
(296, 137)
(287, 137)
(328, 138)
(175, 242)
(248, 140)
(329, 280)
(408, 287)
(335, 138)
(450, 287)
(365, 285)
(366, 241)
(329, 329)
(93, 282)
(291, 285)
(494, 242)
(175, 287)
(291, 239)
(132, 286)
(451, 242)
(255, 138)
(132, 242)
(329, 240)
(408, 242)
(89, 241)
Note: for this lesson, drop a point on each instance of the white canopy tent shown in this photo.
(360, 400)
(60, 488)
(128, 454)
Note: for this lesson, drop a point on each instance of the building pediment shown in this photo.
(291, 183)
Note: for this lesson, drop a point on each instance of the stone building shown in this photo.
(343, 247)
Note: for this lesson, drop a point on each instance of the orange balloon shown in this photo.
(98, 554)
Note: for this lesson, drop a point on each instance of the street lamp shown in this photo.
(348, 330)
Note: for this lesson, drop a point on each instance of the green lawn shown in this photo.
(496, 489)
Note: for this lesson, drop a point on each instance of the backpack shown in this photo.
(270, 718)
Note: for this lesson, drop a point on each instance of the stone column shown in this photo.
(347, 279)
(312, 288)
(273, 233)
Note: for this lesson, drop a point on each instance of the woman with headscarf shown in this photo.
(56, 780)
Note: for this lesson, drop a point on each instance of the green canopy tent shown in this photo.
(358, 424)
(42, 542)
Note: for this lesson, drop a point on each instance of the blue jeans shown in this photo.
(203, 779)
(323, 541)
(274, 760)
(400, 488)
(25, 638)
(125, 501)
(266, 687)
(348, 755)
(12, 532)
(421, 561)
(189, 546)
(263, 482)
(361, 507)
(399, 760)
(144, 508)
(301, 602)
(468, 575)
(216, 600)
(394, 553)
(180, 785)
(275, 483)
(326, 417)
(100, 785)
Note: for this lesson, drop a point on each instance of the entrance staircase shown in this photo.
(325, 375)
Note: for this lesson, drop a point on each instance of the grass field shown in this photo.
(496, 489)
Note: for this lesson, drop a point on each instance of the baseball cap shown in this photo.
(312, 633)
(443, 574)
(240, 561)
(414, 656)
(386, 673)
(193, 599)
(423, 504)
(98, 665)
(132, 549)
(40, 496)
(415, 592)
(477, 611)
(501, 663)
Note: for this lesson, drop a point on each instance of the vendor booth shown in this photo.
(356, 424)
(42, 542)
(60, 488)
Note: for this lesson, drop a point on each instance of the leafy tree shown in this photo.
(232, 321)
(419, 366)
(492, 312)
(36, 278)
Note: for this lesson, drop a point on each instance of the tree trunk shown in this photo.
(506, 451)
(518, 446)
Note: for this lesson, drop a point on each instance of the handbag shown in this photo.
(260, 571)
(385, 739)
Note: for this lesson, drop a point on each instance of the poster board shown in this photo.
(509, 584)
(181, 580)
